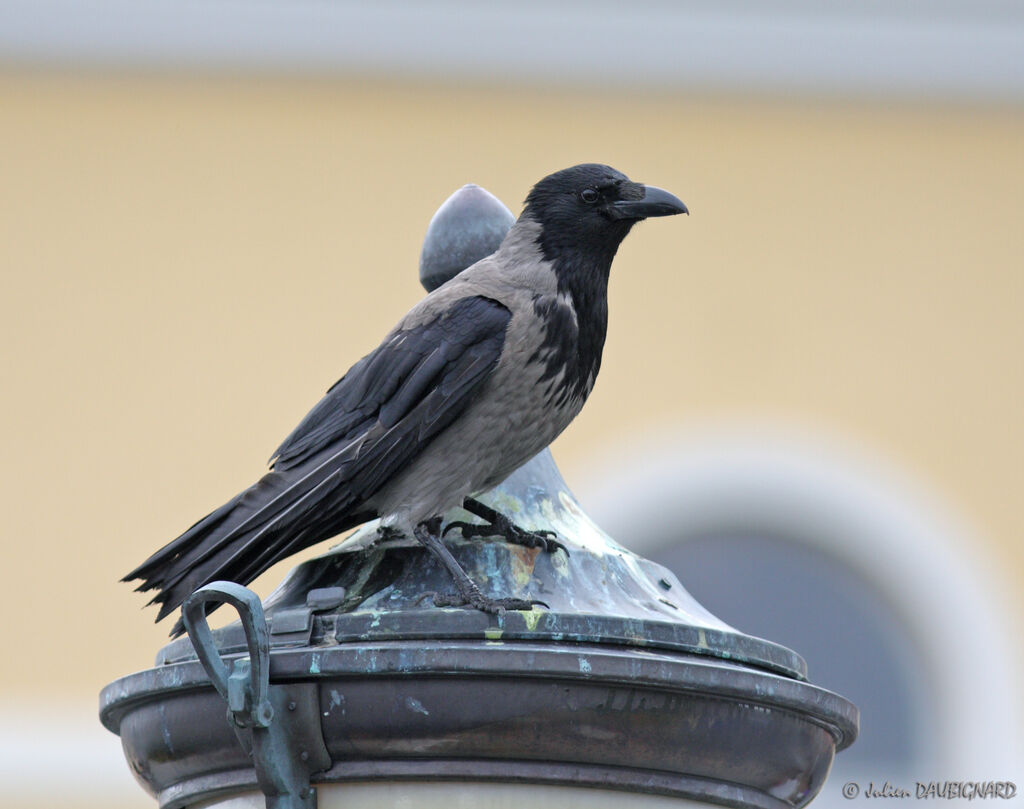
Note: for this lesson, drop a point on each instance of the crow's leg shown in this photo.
(498, 525)
(469, 594)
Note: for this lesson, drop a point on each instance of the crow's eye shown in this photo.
(589, 195)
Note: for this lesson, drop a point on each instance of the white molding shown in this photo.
(950, 597)
(901, 48)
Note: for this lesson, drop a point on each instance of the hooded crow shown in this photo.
(481, 375)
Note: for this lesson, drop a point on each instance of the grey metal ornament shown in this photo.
(468, 227)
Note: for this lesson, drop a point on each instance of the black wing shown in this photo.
(371, 424)
(428, 372)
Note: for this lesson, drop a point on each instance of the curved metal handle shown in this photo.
(247, 687)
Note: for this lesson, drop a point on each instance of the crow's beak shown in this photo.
(655, 202)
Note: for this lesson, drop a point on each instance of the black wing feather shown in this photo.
(372, 423)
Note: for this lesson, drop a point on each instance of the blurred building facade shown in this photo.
(810, 400)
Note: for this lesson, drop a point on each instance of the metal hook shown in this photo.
(286, 751)
(246, 687)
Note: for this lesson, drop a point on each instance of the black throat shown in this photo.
(582, 267)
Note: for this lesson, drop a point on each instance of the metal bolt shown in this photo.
(291, 706)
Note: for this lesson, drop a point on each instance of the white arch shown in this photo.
(948, 594)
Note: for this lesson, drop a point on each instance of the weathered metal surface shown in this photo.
(661, 722)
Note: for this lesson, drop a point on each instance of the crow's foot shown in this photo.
(469, 594)
(499, 525)
(510, 532)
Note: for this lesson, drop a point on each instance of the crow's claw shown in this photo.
(464, 527)
(510, 532)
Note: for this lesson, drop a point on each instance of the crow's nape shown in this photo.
(269, 521)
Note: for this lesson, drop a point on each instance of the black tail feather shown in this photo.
(278, 516)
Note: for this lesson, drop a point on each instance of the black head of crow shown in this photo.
(477, 378)
(586, 211)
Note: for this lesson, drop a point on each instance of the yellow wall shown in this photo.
(188, 263)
